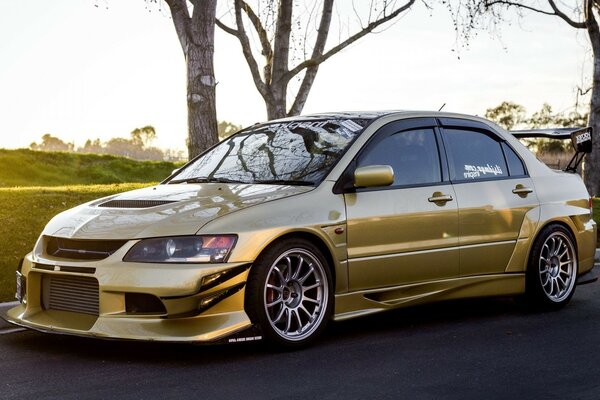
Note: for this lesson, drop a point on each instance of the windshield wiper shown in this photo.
(284, 182)
(205, 180)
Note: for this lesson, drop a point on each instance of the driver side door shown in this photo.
(406, 232)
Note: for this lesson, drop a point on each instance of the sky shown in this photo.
(80, 69)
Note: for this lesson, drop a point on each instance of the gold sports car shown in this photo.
(291, 223)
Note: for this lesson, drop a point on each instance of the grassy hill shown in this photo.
(24, 167)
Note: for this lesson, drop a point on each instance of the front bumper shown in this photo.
(189, 304)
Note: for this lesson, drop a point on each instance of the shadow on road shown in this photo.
(400, 323)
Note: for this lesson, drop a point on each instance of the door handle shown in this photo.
(522, 190)
(439, 197)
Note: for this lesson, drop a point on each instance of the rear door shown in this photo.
(493, 193)
(406, 232)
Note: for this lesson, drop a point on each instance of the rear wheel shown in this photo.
(552, 269)
(289, 293)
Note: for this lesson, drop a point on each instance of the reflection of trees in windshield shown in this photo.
(295, 151)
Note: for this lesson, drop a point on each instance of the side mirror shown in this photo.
(373, 175)
(176, 170)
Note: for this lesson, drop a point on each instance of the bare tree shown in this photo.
(482, 13)
(196, 33)
(275, 28)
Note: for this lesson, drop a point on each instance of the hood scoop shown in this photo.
(134, 203)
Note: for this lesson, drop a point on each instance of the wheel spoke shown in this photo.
(279, 300)
(276, 288)
(288, 323)
(279, 275)
(565, 263)
(563, 253)
(313, 286)
(298, 268)
(311, 270)
(311, 300)
(309, 315)
(288, 269)
(300, 326)
(279, 315)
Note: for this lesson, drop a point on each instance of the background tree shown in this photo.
(475, 14)
(196, 33)
(144, 136)
(282, 27)
(510, 115)
(507, 114)
(227, 129)
(51, 143)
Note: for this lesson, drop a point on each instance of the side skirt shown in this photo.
(355, 304)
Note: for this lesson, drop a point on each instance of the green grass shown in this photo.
(25, 212)
(24, 167)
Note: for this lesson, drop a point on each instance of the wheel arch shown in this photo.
(565, 222)
(310, 237)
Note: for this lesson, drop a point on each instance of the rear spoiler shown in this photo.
(581, 138)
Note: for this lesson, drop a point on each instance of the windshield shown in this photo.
(295, 152)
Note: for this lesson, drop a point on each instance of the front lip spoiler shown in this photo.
(589, 277)
(244, 334)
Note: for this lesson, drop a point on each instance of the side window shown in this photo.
(515, 165)
(413, 155)
(474, 155)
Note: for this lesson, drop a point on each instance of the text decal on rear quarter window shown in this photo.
(475, 171)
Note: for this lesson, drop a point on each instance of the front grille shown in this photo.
(70, 293)
(134, 203)
(82, 249)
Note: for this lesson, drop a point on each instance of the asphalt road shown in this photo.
(477, 349)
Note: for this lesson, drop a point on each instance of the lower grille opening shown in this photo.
(70, 293)
(142, 303)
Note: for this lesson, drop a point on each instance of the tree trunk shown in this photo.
(276, 102)
(196, 35)
(592, 161)
(201, 83)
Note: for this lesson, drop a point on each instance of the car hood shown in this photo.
(135, 214)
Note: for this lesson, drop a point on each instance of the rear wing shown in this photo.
(581, 138)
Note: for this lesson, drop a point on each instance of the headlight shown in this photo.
(182, 249)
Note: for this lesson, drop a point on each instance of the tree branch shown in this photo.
(555, 11)
(368, 29)
(558, 13)
(267, 51)
(181, 20)
(226, 28)
(311, 72)
(247, 51)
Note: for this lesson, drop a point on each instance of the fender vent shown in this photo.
(134, 203)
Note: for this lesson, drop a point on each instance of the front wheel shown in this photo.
(289, 293)
(552, 269)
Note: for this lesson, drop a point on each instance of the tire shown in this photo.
(552, 270)
(289, 293)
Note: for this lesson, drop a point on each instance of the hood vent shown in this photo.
(134, 203)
